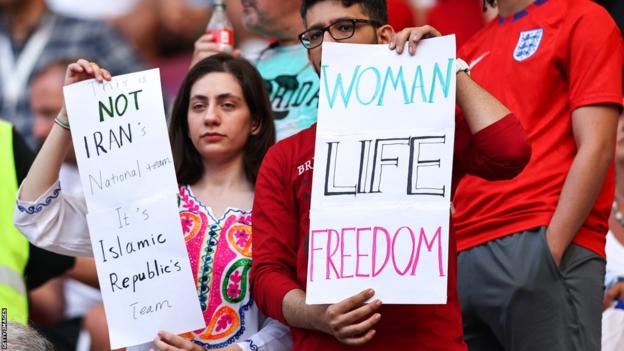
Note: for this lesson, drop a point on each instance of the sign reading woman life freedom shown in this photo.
(381, 190)
(126, 168)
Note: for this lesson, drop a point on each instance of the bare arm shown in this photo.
(84, 271)
(45, 169)
(480, 108)
(594, 129)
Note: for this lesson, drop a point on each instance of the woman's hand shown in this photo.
(79, 71)
(83, 70)
(166, 341)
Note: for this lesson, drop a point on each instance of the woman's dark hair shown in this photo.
(376, 10)
(188, 162)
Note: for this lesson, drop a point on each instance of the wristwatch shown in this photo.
(461, 66)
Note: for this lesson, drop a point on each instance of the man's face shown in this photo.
(265, 16)
(324, 13)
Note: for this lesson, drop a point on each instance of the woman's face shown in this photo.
(218, 117)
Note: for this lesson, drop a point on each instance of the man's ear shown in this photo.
(385, 34)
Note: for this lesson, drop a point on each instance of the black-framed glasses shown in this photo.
(340, 30)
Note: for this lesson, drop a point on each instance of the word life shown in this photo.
(377, 154)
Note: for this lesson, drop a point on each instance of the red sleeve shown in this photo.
(499, 151)
(595, 60)
(274, 236)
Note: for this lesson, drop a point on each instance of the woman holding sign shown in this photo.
(220, 129)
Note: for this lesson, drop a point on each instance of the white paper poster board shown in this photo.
(381, 190)
(120, 138)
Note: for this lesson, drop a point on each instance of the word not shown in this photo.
(144, 310)
(120, 105)
(118, 250)
(370, 84)
(149, 273)
(374, 156)
(373, 245)
(103, 143)
(114, 179)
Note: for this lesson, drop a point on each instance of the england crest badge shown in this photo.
(528, 43)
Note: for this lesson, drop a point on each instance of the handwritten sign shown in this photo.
(381, 190)
(126, 168)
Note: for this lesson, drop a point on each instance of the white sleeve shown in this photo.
(56, 222)
(274, 336)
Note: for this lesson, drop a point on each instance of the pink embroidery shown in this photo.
(241, 238)
(189, 204)
(187, 224)
(224, 322)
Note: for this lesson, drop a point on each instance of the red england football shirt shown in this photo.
(542, 63)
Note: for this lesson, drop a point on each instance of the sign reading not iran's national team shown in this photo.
(126, 169)
(379, 214)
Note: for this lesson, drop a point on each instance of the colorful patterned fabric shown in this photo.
(220, 253)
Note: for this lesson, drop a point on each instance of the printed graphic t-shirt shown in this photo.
(293, 88)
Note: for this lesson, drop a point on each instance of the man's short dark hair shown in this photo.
(376, 10)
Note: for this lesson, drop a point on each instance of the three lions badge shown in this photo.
(528, 43)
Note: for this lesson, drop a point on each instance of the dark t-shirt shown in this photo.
(42, 265)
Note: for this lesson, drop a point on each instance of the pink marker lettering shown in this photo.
(330, 262)
(394, 254)
(429, 244)
(374, 253)
(357, 252)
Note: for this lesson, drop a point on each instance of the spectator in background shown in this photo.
(292, 84)
(400, 14)
(23, 266)
(531, 263)
(31, 36)
(612, 317)
(24, 338)
(460, 17)
(290, 79)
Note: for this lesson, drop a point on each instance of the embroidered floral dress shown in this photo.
(220, 254)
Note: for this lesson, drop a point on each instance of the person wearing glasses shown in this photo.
(489, 142)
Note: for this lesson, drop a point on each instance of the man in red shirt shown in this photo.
(489, 142)
(531, 262)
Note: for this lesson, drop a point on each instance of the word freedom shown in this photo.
(368, 252)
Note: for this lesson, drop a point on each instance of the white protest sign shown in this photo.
(126, 167)
(144, 271)
(381, 192)
(120, 138)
